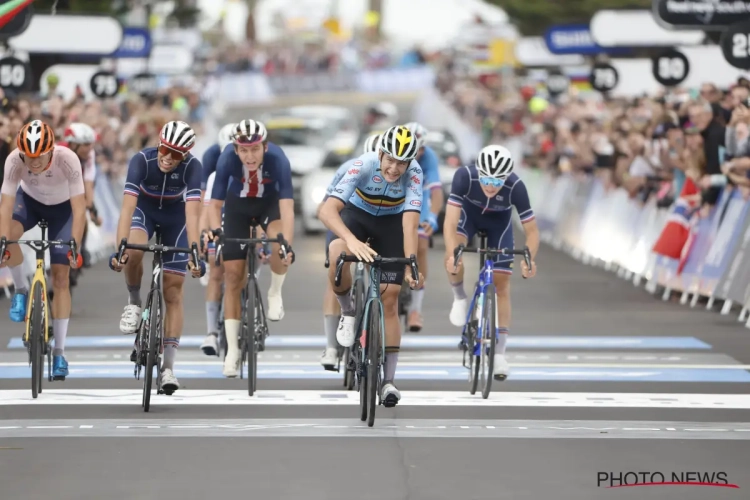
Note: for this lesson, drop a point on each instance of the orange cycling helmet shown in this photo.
(35, 139)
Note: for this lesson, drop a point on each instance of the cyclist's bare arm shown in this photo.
(214, 213)
(126, 214)
(450, 228)
(410, 224)
(78, 207)
(7, 202)
(330, 215)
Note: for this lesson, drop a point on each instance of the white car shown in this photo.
(340, 122)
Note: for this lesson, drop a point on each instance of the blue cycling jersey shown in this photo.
(272, 179)
(177, 186)
(364, 187)
(467, 190)
(210, 159)
(429, 163)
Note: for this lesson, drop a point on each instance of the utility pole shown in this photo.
(377, 7)
(250, 26)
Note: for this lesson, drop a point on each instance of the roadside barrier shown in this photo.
(607, 228)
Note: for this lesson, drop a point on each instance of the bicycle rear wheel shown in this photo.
(373, 361)
(36, 334)
(489, 339)
(358, 292)
(154, 342)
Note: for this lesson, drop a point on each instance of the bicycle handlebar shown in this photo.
(377, 262)
(124, 245)
(491, 252)
(38, 245)
(251, 242)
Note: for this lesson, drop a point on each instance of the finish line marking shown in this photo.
(113, 397)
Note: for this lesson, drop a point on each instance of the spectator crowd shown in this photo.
(650, 146)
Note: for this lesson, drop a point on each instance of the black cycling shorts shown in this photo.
(386, 235)
(241, 213)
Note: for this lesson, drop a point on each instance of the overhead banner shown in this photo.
(61, 34)
(706, 15)
(638, 28)
(136, 43)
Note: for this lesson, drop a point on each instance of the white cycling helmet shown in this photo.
(225, 135)
(372, 143)
(79, 133)
(495, 161)
(399, 143)
(419, 131)
(249, 132)
(178, 135)
(386, 109)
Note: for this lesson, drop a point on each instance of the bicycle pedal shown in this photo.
(462, 346)
(331, 368)
(500, 378)
(390, 401)
(58, 378)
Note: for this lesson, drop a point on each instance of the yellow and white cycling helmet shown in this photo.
(399, 143)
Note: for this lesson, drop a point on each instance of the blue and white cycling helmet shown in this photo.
(225, 135)
(372, 143)
(399, 143)
(494, 162)
(419, 131)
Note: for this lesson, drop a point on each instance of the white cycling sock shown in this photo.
(170, 352)
(60, 328)
(277, 280)
(458, 291)
(212, 316)
(232, 328)
(391, 360)
(346, 303)
(331, 324)
(20, 279)
(502, 340)
(416, 300)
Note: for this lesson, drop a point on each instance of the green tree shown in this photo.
(75, 6)
(533, 17)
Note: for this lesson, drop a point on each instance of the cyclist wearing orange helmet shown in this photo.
(43, 181)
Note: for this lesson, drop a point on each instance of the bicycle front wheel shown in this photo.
(36, 334)
(373, 361)
(154, 343)
(489, 339)
(251, 348)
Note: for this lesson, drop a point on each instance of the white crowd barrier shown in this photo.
(607, 228)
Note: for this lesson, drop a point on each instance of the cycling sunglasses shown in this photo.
(492, 182)
(247, 140)
(175, 154)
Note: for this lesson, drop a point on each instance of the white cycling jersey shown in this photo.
(59, 183)
(209, 187)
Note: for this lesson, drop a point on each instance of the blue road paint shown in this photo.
(291, 372)
(419, 341)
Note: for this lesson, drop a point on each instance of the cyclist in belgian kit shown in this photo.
(379, 199)
(482, 199)
(260, 189)
(162, 188)
(331, 309)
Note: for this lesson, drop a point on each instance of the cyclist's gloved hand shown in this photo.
(289, 254)
(116, 266)
(215, 234)
(199, 270)
(78, 263)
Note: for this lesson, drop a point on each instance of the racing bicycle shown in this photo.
(149, 341)
(253, 326)
(368, 353)
(38, 331)
(479, 334)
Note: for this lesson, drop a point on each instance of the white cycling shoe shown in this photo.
(275, 307)
(458, 312)
(169, 382)
(345, 333)
(390, 395)
(210, 345)
(330, 357)
(130, 319)
(501, 368)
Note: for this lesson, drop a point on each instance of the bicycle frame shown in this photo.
(485, 279)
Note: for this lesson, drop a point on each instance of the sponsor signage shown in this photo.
(707, 15)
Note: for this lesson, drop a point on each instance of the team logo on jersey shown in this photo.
(353, 171)
(175, 175)
(499, 198)
(416, 203)
(417, 170)
(415, 179)
(358, 163)
(377, 178)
